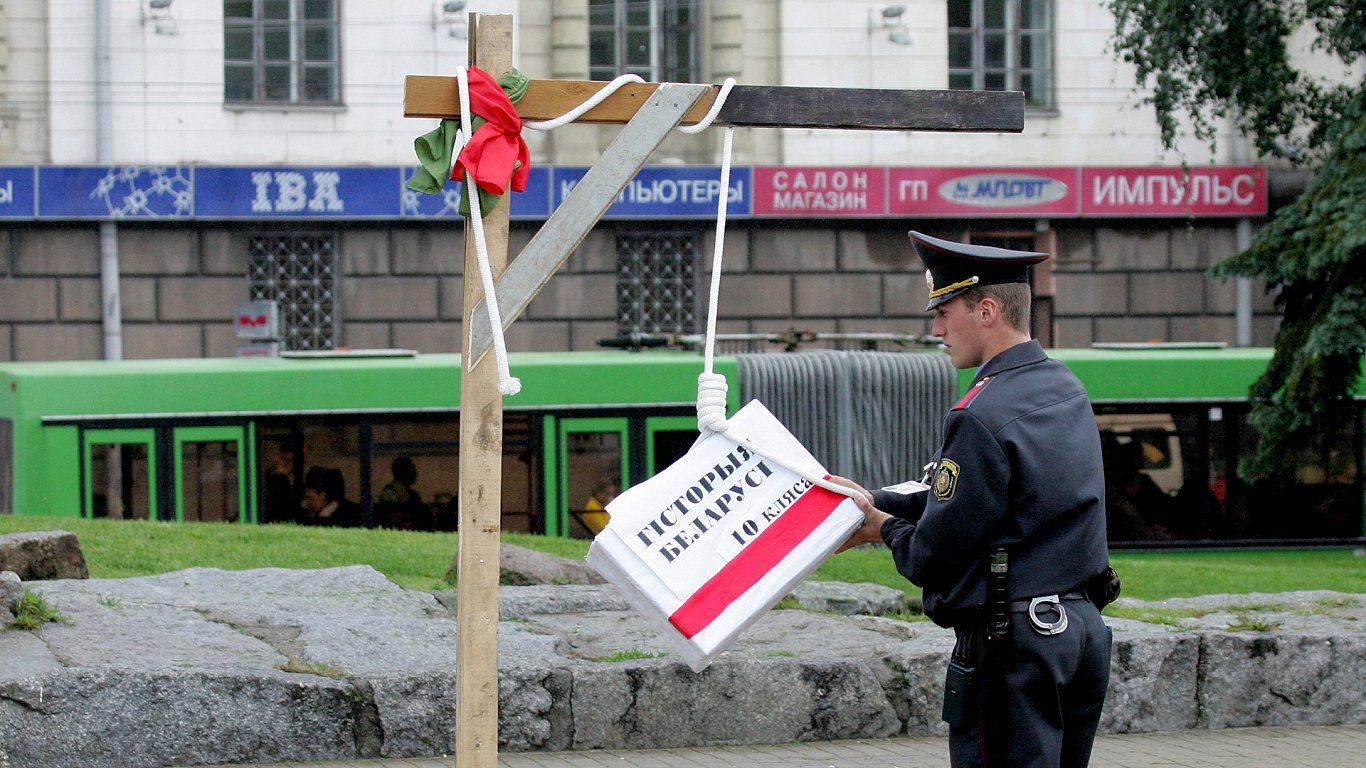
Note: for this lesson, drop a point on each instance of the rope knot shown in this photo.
(711, 402)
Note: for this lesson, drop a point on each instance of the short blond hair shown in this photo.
(1014, 299)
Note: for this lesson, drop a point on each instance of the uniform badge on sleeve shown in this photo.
(947, 480)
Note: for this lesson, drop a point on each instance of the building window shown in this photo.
(657, 282)
(1002, 45)
(656, 39)
(299, 273)
(281, 51)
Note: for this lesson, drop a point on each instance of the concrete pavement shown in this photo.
(1342, 746)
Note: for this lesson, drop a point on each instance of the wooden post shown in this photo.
(481, 470)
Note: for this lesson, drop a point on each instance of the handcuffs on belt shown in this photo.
(1049, 603)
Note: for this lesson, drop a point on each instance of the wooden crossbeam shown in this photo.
(752, 106)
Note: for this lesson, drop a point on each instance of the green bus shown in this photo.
(215, 439)
(239, 440)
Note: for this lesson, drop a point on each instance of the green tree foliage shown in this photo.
(1210, 60)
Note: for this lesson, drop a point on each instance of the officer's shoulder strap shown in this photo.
(973, 393)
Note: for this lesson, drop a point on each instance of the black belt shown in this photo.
(1041, 610)
(1022, 606)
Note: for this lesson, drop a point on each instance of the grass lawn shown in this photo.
(118, 549)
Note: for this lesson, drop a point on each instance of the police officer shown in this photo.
(1010, 535)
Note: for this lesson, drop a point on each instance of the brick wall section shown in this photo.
(402, 285)
(1147, 281)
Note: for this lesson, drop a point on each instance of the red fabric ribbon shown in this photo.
(493, 153)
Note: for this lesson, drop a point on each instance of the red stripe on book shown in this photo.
(754, 561)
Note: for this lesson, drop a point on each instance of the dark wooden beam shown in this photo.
(753, 106)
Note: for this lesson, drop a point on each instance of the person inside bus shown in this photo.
(399, 504)
(278, 502)
(1133, 502)
(595, 514)
(325, 502)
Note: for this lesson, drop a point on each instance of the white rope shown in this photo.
(507, 384)
(712, 386)
(716, 104)
(592, 101)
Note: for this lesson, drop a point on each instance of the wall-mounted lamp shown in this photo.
(890, 20)
(158, 12)
(447, 13)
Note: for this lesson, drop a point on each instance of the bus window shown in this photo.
(668, 439)
(210, 486)
(281, 475)
(593, 461)
(121, 474)
(414, 472)
(1320, 497)
(520, 476)
(1154, 442)
(1144, 475)
(330, 456)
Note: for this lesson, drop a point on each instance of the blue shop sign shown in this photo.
(115, 192)
(16, 192)
(531, 203)
(297, 193)
(685, 192)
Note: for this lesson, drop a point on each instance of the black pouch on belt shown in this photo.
(958, 683)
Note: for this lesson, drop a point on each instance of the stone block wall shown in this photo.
(401, 285)
(1148, 282)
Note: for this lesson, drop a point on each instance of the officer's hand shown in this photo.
(873, 518)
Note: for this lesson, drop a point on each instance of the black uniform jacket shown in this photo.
(1020, 467)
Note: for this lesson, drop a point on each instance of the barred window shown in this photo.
(1002, 45)
(281, 51)
(299, 272)
(656, 39)
(657, 282)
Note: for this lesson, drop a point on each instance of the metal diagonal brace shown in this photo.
(586, 203)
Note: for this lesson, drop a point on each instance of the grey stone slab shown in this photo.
(206, 666)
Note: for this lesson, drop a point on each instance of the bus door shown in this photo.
(667, 439)
(120, 472)
(210, 484)
(593, 462)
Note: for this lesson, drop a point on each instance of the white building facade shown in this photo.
(218, 153)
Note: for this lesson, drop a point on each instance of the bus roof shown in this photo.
(1166, 373)
(1160, 372)
(345, 383)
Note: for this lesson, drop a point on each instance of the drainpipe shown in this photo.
(1242, 238)
(112, 314)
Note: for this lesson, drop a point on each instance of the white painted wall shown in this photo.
(168, 90)
(1098, 120)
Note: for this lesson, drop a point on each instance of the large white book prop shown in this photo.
(707, 546)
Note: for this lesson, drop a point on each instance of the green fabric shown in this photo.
(435, 150)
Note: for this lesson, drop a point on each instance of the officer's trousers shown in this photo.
(1035, 700)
